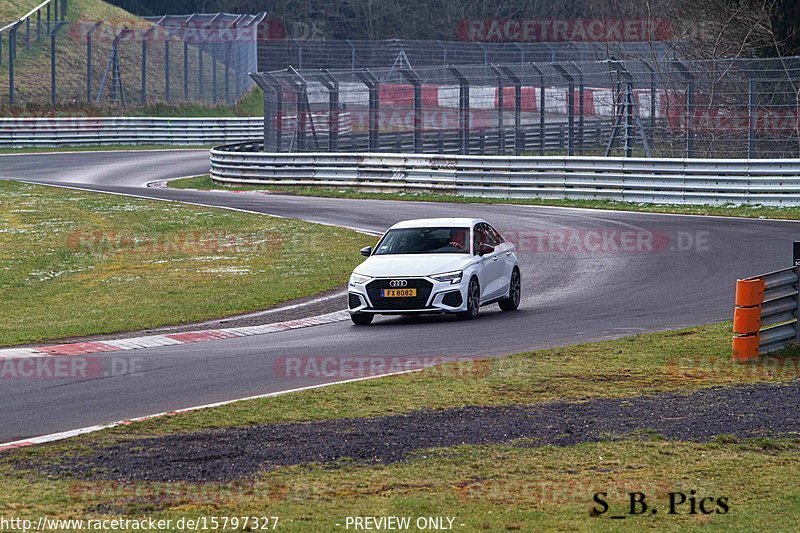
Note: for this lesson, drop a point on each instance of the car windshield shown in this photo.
(424, 241)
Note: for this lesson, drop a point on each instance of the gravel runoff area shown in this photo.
(233, 453)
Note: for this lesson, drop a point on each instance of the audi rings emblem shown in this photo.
(398, 283)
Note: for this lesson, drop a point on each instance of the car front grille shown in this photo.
(423, 287)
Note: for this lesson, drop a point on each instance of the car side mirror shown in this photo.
(366, 251)
(484, 249)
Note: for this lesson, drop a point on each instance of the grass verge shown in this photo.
(789, 213)
(75, 263)
(493, 487)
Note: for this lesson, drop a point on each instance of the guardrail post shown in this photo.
(373, 86)
(747, 319)
(796, 264)
(463, 111)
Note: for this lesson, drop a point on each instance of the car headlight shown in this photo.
(452, 277)
(358, 279)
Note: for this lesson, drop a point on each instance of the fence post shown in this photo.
(751, 120)
(542, 130)
(53, 95)
(416, 82)
(332, 85)
(12, 52)
(570, 107)
(143, 96)
(518, 133)
(747, 319)
(185, 70)
(266, 82)
(689, 106)
(463, 111)
(373, 86)
(166, 67)
(501, 132)
(200, 89)
(581, 108)
(652, 96)
(89, 67)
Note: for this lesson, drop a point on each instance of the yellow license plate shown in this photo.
(398, 293)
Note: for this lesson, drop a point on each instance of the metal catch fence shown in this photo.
(739, 108)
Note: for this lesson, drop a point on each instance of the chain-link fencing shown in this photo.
(338, 54)
(733, 108)
(172, 59)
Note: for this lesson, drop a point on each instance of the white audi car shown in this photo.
(435, 265)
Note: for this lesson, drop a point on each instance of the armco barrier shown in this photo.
(675, 181)
(75, 131)
(766, 315)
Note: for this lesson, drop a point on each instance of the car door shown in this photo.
(490, 273)
(505, 251)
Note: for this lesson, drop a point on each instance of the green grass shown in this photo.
(485, 488)
(758, 211)
(32, 68)
(249, 105)
(493, 487)
(75, 263)
(684, 360)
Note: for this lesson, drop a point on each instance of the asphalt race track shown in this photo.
(682, 274)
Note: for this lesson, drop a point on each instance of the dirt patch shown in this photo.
(232, 453)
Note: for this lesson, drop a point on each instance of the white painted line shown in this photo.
(91, 429)
(19, 353)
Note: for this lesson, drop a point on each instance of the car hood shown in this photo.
(382, 266)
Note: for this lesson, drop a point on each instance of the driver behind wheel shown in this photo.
(458, 238)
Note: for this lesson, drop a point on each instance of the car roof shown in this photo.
(438, 222)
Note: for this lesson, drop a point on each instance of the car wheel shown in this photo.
(514, 293)
(362, 319)
(473, 301)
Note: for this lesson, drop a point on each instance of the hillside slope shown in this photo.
(32, 69)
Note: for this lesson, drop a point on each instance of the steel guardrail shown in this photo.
(679, 181)
(76, 131)
(765, 318)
